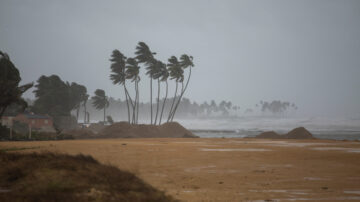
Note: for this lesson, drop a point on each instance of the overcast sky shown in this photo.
(307, 52)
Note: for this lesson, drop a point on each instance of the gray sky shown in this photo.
(307, 52)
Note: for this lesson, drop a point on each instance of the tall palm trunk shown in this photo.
(77, 113)
(135, 104)
(85, 112)
(138, 95)
(162, 110)
(151, 100)
(158, 101)
(104, 114)
(127, 103)
(178, 101)
(172, 104)
(182, 93)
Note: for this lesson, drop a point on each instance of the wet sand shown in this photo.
(229, 169)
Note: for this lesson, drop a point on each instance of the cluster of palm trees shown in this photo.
(123, 69)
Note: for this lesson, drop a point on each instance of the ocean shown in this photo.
(240, 127)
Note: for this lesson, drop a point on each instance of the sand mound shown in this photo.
(297, 133)
(80, 133)
(96, 127)
(126, 130)
(59, 177)
(270, 135)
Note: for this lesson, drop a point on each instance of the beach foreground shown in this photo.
(227, 169)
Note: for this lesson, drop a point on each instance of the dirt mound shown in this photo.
(270, 135)
(299, 133)
(126, 130)
(96, 127)
(80, 133)
(59, 177)
(174, 129)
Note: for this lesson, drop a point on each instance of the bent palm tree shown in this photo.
(144, 55)
(132, 72)
(164, 77)
(185, 62)
(157, 75)
(100, 101)
(177, 74)
(118, 75)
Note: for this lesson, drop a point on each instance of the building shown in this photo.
(36, 122)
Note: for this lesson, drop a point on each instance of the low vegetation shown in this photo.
(60, 177)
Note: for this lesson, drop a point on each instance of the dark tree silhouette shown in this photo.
(100, 101)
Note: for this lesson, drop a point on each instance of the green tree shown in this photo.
(100, 101)
(10, 91)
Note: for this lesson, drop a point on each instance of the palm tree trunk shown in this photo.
(162, 110)
(151, 122)
(84, 112)
(171, 108)
(181, 95)
(104, 114)
(179, 100)
(135, 104)
(127, 102)
(77, 113)
(138, 95)
(158, 101)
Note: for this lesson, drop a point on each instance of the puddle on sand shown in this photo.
(237, 149)
(351, 150)
(197, 169)
(352, 192)
(315, 179)
(282, 143)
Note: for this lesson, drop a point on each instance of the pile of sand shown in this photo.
(80, 133)
(297, 133)
(126, 130)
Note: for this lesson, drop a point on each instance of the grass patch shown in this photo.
(17, 149)
(60, 177)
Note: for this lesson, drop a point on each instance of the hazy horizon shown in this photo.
(306, 52)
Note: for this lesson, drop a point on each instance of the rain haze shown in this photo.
(306, 52)
(196, 100)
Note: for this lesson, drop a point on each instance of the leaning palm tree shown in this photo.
(132, 72)
(118, 75)
(157, 76)
(185, 62)
(100, 101)
(164, 77)
(177, 74)
(145, 56)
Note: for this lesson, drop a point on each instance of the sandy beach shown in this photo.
(228, 169)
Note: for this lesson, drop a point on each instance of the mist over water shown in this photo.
(250, 126)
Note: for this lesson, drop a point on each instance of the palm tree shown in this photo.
(164, 77)
(100, 101)
(132, 72)
(185, 62)
(118, 75)
(157, 75)
(177, 74)
(144, 55)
